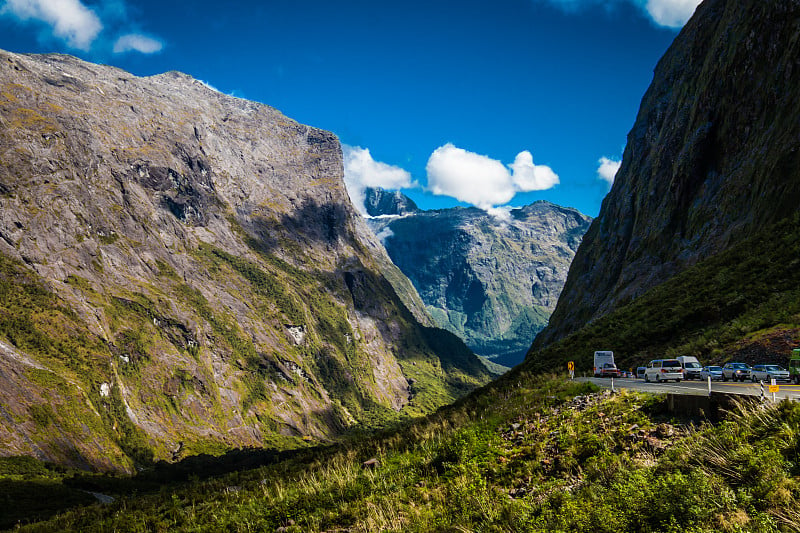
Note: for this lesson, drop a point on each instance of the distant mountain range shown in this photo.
(493, 281)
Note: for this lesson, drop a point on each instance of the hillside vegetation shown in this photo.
(528, 454)
(708, 310)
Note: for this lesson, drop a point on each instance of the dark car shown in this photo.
(640, 372)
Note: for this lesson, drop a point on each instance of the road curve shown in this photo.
(698, 388)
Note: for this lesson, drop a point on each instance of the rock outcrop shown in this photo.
(712, 158)
(492, 281)
(183, 272)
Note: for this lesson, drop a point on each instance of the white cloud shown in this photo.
(362, 171)
(529, 177)
(502, 213)
(137, 43)
(70, 19)
(482, 181)
(671, 13)
(608, 169)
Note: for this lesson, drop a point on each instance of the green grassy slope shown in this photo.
(703, 311)
(526, 455)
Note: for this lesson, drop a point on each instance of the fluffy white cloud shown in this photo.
(529, 177)
(671, 13)
(138, 43)
(362, 171)
(70, 19)
(607, 170)
(482, 181)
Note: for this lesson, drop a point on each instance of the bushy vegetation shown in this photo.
(530, 454)
(701, 311)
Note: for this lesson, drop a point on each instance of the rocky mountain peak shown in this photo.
(381, 202)
(493, 281)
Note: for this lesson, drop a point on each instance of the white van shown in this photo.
(601, 359)
(691, 366)
(659, 370)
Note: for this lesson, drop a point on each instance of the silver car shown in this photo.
(713, 372)
(767, 373)
(735, 371)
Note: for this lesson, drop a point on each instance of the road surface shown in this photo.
(698, 388)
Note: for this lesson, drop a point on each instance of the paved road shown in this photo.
(699, 388)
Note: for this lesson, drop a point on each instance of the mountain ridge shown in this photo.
(204, 249)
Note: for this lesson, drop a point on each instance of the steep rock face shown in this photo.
(182, 271)
(493, 282)
(713, 156)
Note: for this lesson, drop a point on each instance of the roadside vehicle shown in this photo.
(714, 372)
(794, 366)
(640, 372)
(601, 358)
(691, 366)
(735, 371)
(767, 373)
(659, 370)
(609, 370)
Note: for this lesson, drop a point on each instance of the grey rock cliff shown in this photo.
(712, 157)
(204, 249)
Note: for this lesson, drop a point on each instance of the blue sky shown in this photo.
(472, 102)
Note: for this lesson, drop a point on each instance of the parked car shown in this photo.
(691, 366)
(768, 372)
(602, 358)
(735, 371)
(663, 370)
(608, 370)
(714, 372)
(640, 372)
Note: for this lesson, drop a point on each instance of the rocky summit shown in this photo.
(493, 281)
(711, 161)
(182, 271)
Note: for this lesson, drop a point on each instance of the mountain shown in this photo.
(380, 202)
(182, 272)
(700, 215)
(492, 281)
